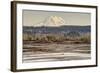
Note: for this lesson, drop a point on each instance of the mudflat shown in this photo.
(40, 52)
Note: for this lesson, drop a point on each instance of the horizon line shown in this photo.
(58, 26)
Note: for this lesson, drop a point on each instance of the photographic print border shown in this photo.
(14, 35)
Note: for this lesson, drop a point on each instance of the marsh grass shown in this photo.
(54, 38)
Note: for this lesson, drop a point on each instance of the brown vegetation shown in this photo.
(49, 38)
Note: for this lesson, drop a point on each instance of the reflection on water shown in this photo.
(55, 52)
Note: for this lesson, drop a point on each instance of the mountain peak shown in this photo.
(54, 21)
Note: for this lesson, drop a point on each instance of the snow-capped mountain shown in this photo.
(52, 21)
(55, 24)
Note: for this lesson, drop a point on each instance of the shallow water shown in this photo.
(55, 52)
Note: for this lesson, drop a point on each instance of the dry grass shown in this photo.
(48, 38)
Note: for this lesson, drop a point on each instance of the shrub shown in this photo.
(50, 38)
(86, 38)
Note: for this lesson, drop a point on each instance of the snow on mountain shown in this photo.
(52, 21)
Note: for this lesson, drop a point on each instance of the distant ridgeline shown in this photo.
(77, 30)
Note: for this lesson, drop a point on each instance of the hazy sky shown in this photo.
(32, 18)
